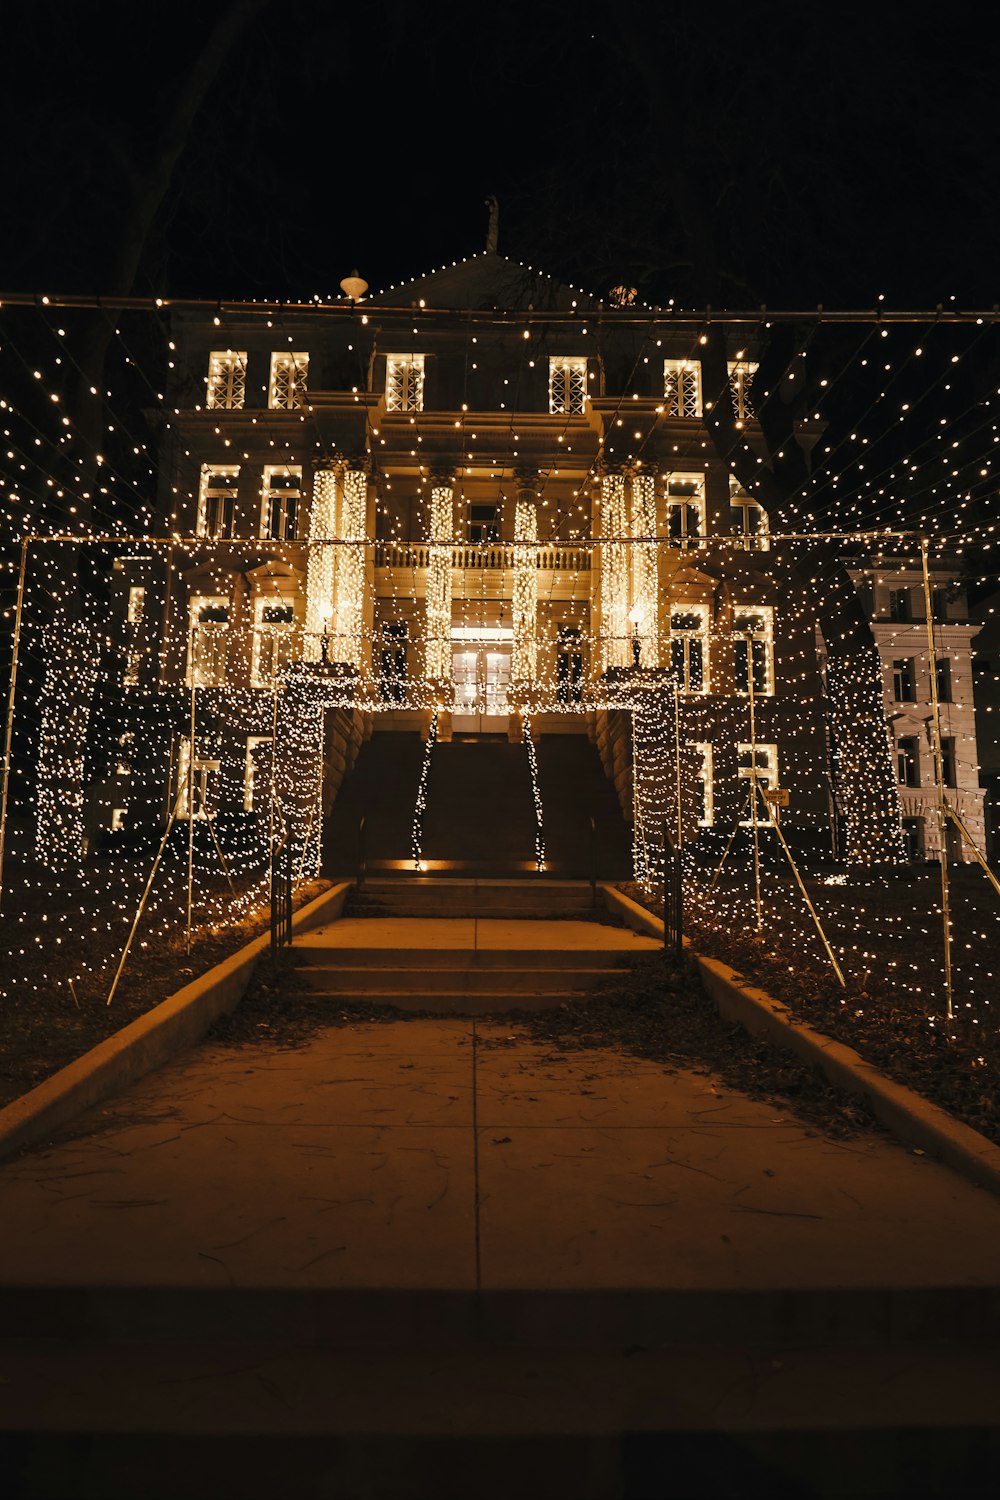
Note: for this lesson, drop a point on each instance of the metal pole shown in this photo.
(190, 781)
(729, 841)
(753, 782)
(956, 819)
(677, 761)
(270, 816)
(145, 896)
(801, 884)
(939, 780)
(9, 733)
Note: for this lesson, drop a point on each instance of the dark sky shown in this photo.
(831, 155)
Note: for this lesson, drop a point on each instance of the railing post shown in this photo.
(673, 929)
(361, 852)
(593, 859)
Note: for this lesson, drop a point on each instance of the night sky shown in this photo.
(828, 156)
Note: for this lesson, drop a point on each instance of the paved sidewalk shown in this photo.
(422, 1154)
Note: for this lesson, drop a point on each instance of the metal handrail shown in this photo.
(362, 854)
(281, 894)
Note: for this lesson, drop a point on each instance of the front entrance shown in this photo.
(480, 668)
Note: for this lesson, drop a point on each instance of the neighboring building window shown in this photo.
(913, 836)
(568, 386)
(908, 760)
(208, 638)
(484, 525)
(685, 508)
(404, 382)
(273, 641)
(569, 665)
(741, 374)
(256, 770)
(760, 762)
(757, 622)
(899, 604)
(939, 605)
(689, 647)
(217, 500)
(944, 679)
(126, 749)
(134, 636)
(749, 521)
(682, 387)
(287, 385)
(904, 680)
(392, 663)
(227, 379)
(280, 494)
(202, 779)
(948, 766)
(118, 819)
(705, 786)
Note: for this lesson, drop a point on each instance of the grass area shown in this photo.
(886, 933)
(61, 939)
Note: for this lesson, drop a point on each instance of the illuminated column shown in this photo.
(524, 658)
(349, 567)
(437, 667)
(321, 573)
(644, 617)
(614, 565)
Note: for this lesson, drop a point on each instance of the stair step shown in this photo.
(330, 979)
(322, 951)
(457, 1003)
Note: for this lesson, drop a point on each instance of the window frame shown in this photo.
(683, 400)
(571, 369)
(209, 494)
(272, 491)
(404, 382)
(226, 381)
(685, 635)
(764, 638)
(288, 380)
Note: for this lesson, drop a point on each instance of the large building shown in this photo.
(479, 504)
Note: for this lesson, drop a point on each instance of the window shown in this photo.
(913, 837)
(217, 500)
(685, 508)
(944, 679)
(939, 605)
(134, 636)
(287, 385)
(404, 382)
(569, 665)
(908, 760)
(904, 680)
(704, 786)
(741, 374)
(227, 380)
(748, 520)
(948, 767)
(568, 386)
(484, 525)
(126, 750)
(280, 493)
(899, 604)
(208, 635)
(202, 779)
(273, 641)
(759, 763)
(758, 624)
(689, 647)
(392, 663)
(256, 770)
(682, 387)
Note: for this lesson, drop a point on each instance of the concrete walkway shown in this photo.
(441, 1154)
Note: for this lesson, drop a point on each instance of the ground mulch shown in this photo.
(61, 939)
(886, 934)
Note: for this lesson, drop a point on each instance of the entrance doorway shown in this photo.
(480, 666)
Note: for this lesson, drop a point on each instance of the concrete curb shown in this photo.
(913, 1119)
(176, 1023)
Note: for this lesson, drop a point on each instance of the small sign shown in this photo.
(776, 795)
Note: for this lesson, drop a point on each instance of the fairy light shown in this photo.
(417, 835)
(536, 795)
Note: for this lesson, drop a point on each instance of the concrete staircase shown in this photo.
(427, 896)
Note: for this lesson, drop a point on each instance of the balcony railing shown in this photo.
(554, 559)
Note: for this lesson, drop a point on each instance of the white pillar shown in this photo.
(348, 635)
(524, 658)
(644, 573)
(437, 668)
(614, 573)
(321, 568)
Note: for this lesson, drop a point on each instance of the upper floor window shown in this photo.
(682, 387)
(749, 521)
(704, 785)
(258, 767)
(227, 379)
(944, 679)
(280, 495)
(948, 762)
(685, 508)
(568, 386)
(753, 627)
(134, 635)
(404, 382)
(904, 680)
(208, 635)
(198, 782)
(273, 641)
(287, 386)
(689, 647)
(899, 604)
(908, 760)
(484, 525)
(217, 500)
(569, 665)
(741, 374)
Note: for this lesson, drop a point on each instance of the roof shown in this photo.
(487, 280)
